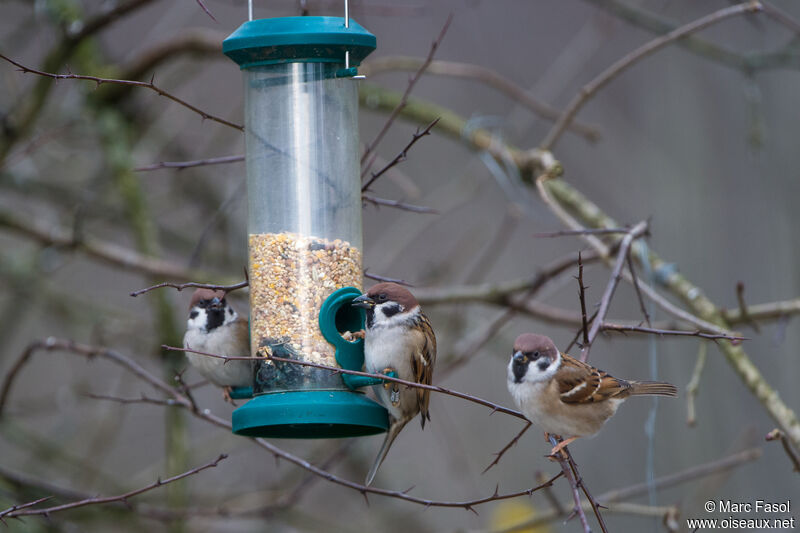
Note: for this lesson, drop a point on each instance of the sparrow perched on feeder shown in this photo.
(566, 397)
(399, 338)
(214, 327)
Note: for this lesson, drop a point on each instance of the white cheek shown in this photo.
(536, 374)
(198, 322)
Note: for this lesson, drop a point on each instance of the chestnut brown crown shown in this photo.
(205, 294)
(531, 342)
(387, 291)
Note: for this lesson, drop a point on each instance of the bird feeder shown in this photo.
(304, 225)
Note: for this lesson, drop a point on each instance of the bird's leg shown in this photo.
(558, 448)
(394, 396)
(226, 395)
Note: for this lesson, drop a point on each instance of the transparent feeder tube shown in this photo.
(304, 214)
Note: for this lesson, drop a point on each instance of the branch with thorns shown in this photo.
(27, 509)
(144, 84)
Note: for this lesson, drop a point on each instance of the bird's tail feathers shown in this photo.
(653, 388)
(394, 430)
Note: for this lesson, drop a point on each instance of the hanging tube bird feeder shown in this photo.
(304, 225)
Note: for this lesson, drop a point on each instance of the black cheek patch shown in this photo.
(519, 369)
(230, 311)
(215, 318)
(193, 314)
(390, 310)
(543, 365)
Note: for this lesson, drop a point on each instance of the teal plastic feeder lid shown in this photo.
(298, 39)
(309, 414)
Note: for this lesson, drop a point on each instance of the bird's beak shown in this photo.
(216, 303)
(363, 301)
(517, 357)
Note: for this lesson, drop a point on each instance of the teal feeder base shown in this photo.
(316, 414)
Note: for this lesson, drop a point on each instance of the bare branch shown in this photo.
(107, 252)
(399, 205)
(777, 434)
(402, 156)
(743, 308)
(204, 8)
(499, 455)
(495, 407)
(481, 74)
(181, 286)
(573, 484)
(180, 165)
(25, 510)
(404, 99)
(635, 232)
(588, 90)
(147, 85)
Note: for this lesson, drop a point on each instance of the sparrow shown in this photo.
(397, 337)
(564, 396)
(214, 327)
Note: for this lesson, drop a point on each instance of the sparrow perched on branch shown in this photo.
(214, 327)
(566, 397)
(399, 338)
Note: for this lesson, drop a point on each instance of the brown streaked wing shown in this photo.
(422, 363)
(599, 385)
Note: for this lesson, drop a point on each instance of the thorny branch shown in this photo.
(181, 286)
(616, 274)
(180, 165)
(27, 509)
(499, 455)
(179, 400)
(336, 370)
(147, 85)
(402, 156)
(573, 484)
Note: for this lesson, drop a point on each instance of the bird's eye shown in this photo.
(535, 355)
(382, 297)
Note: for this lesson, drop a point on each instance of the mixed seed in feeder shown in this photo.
(291, 275)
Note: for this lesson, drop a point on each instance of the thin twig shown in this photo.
(632, 491)
(147, 85)
(777, 434)
(584, 231)
(402, 156)
(610, 326)
(481, 74)
(635, 232)
(399, 205)
(743, 308)
(181, 401)
(639, 297)
(404, 99)
(180, 165)
(377, 277)
(181, 286)
(499, 455)
(204, 8)
(27, 511)
(582, 297)
(589, 90)
(694, 385)
(573, 484)
(582, 484)
(336, 370)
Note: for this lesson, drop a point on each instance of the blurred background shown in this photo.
(699, 139)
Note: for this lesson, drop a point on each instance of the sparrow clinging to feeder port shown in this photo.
(214, 327)
(566, 397)
(399, 338)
